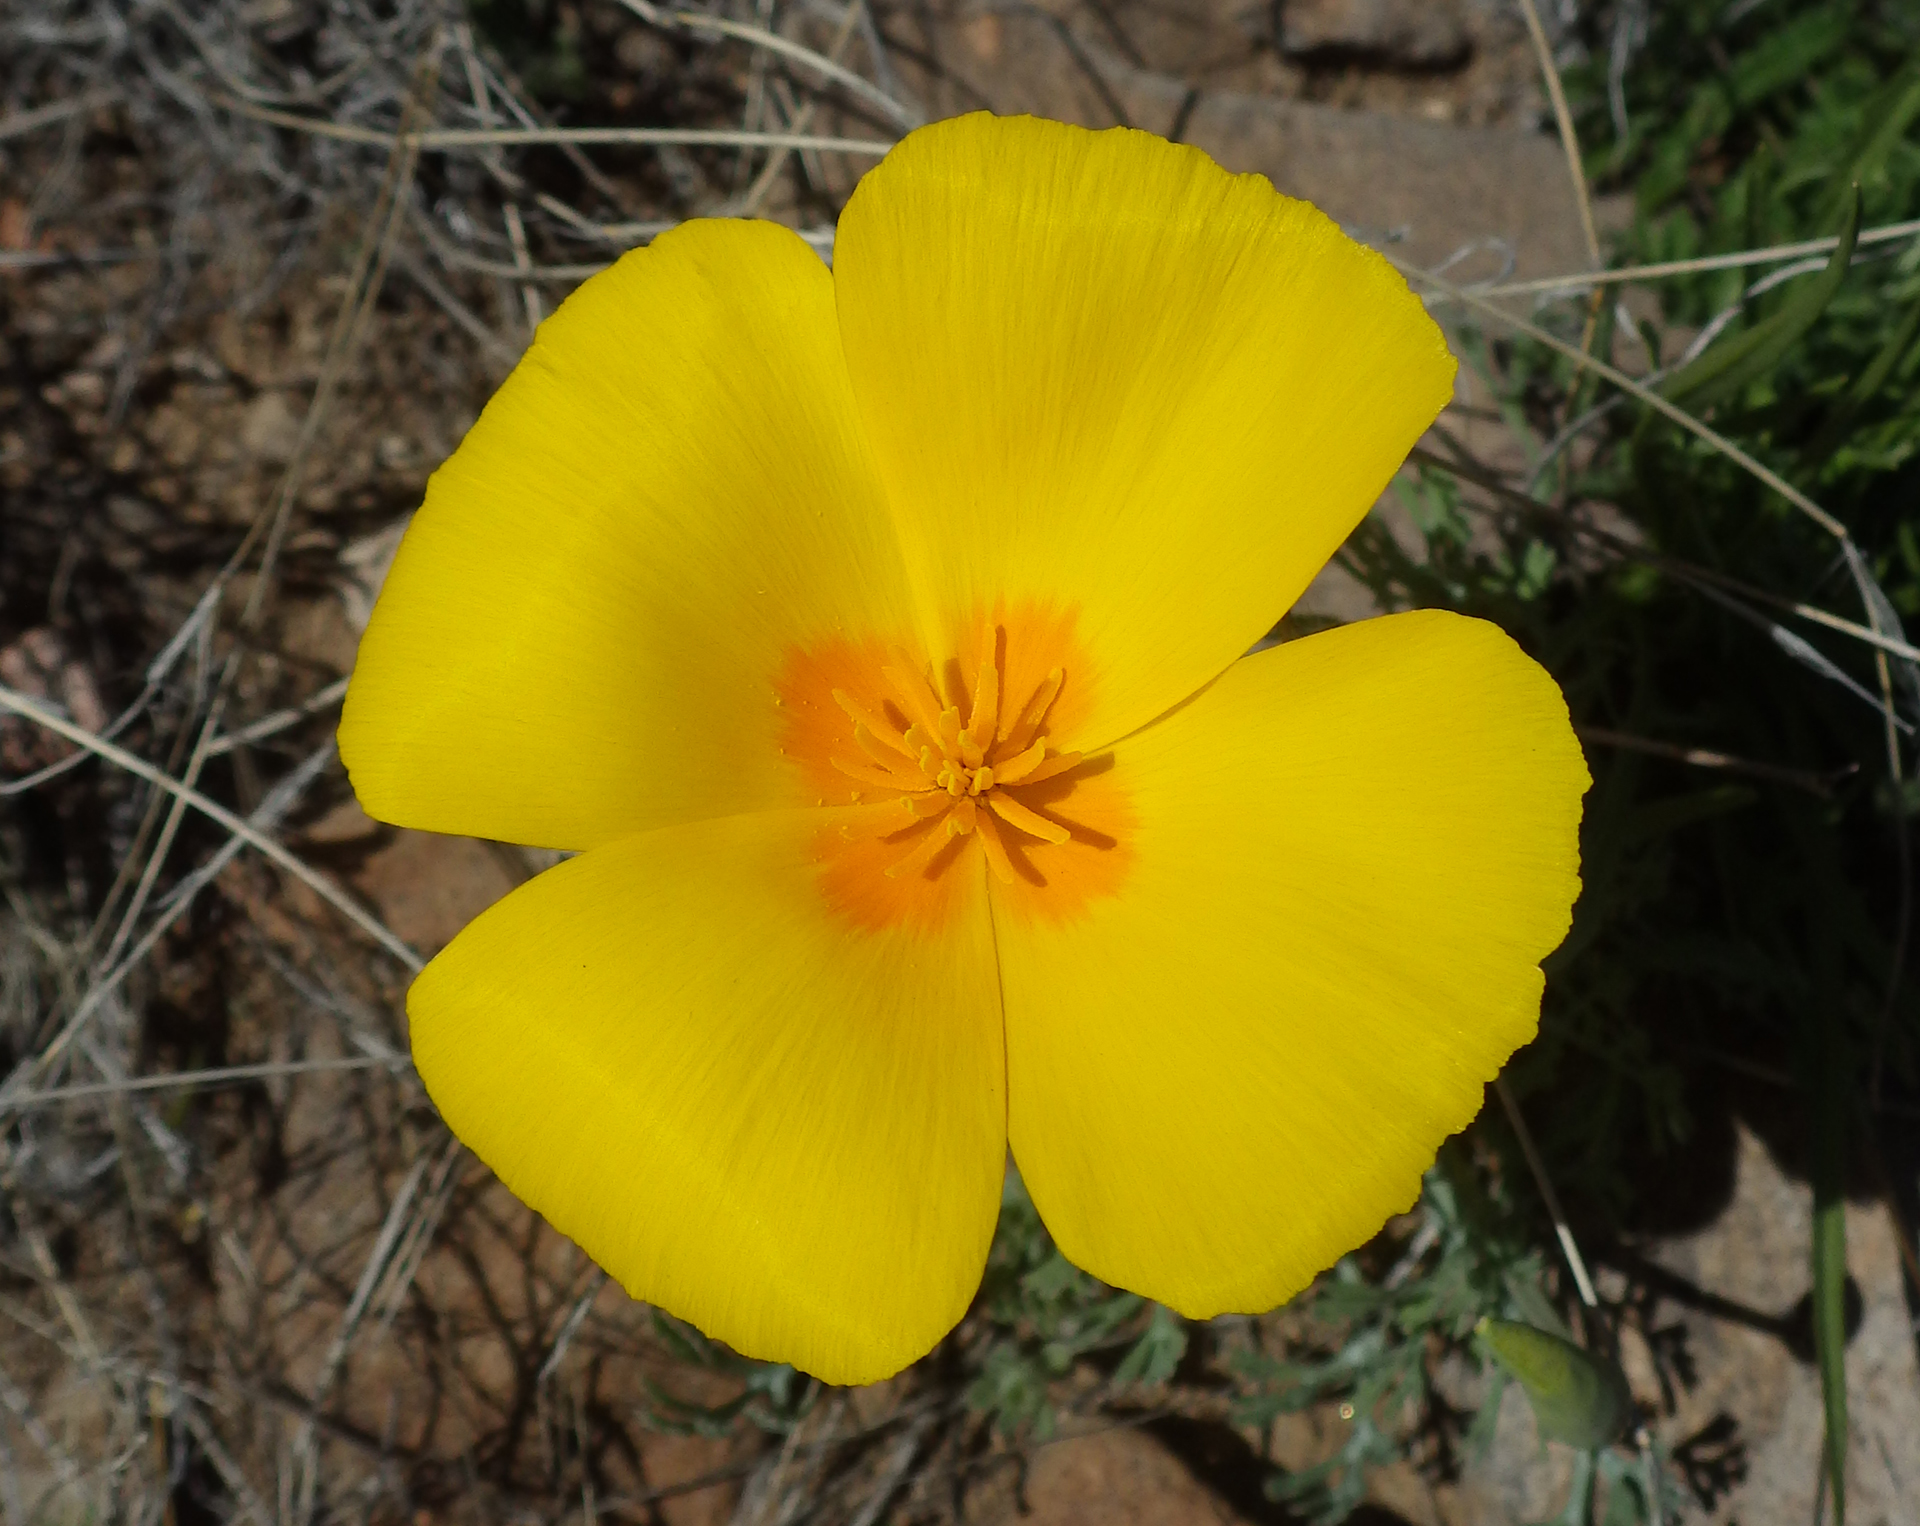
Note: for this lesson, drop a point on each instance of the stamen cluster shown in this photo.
(946, 770)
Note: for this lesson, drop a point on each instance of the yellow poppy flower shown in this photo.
(876, 637)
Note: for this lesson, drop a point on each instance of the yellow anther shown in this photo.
(872, 721)
(1016, 815)
(1059, 763)
(1019, 766)
(1022, 735)
(995, 850)
(877, 748)
(911, 685)
(886, 778)
(986, 704)
(946, 770)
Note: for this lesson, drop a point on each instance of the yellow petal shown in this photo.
(581, 635)
(1101, 373)
(1349, 856)
(781, 1127)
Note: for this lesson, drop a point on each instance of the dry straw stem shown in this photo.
(279, 720)
(1563, 1232)
(281, 800)
(1628, 274)
(221, 1075)
(321, 886)
(504, 355)
(1707, 757)
(156, 674)
(1570, 145)
(441, 139)
(803, 118)
(304, 1450)
(1563, 119)
(56, 111)
(1646, 395)
(350, 326)
(820, 238)
(1688, 572)
(176, 813)
(772, 42)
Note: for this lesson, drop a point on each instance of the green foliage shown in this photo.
(773, 1397)
(1474, 1260)
(1728, 367)
(1046, 1315)
(1741, 918)
(1748, 918)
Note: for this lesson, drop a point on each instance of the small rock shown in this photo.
(1118, 1478)
(133, 517)
(197, 364)
(983, 36)
(1419, 34)
(40, 665)
(269, 430)
(345, 823)
(78, 392)
(106, 352)
(16, 228)
(173, 430)
(320, 631)
(644, 51)
(426, 887)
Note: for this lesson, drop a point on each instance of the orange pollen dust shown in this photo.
(953, 771)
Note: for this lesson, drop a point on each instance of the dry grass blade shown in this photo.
(279, 720)
(803, 119)
(350, 327)
(444, 138)
(1562, 1230)
(1707, 757)
(772, 42)
(1563, 120)
(1623, 275)
(1645, 394)
(193, 1080)
(178, 902)
(22, 122)
(40, 715)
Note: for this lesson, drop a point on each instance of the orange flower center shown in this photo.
(948, 769)
(917, 763)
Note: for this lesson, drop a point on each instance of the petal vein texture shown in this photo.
(1097, 369)
(1351, 854)
(580, 634)
(671, 1048)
